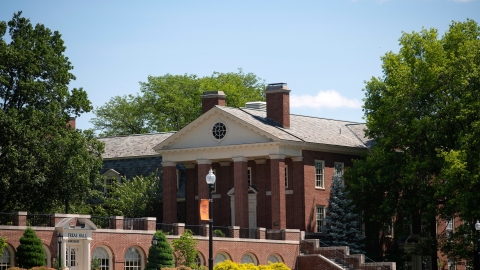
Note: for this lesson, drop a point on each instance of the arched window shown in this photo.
(133, 259)
(5, 260)
(101, 254)
(274, 258)
(221, 257)
(249, 258)
(48, 256)
(199, 261)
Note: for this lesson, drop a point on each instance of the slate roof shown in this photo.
(133, 145)
(307, 128)
(302, 129)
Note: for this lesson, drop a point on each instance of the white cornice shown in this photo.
(223, 147)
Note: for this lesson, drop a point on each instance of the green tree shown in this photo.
(423, 116)
(3, 244)
(160, 256)
(341, 220)
(170, 102)
(122, 115)
(39, 153)
(134, 197)
(30, 252)
(184, 249)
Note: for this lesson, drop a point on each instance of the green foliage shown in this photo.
(184, 248)
(162, 254)
(229, 265)
(3, 244)
(341, 220)
(135, 197)
(423, 116)
(56, 164)
(96, 264)
(30, 252)
(170, 102)
(218, 233)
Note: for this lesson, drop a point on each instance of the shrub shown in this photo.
(184, 249)
(30, 252)
(162, 254)
(226, 265)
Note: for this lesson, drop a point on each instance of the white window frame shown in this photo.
(321, 175)
(449, 226)
(249, 176)
(337, 173)
(286, 176)
(135, 264)
(388, 229)
(110, 177)
(319, 217)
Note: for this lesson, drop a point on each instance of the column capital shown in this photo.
(277, 156)
(168, 164)
(239, 159)
(261, 161)
(204, 161)
(295, 159)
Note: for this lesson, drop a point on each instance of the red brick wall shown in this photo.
(278, 107)
(208, 103)
(118, 242)
(313, 196)
(169, 194)
(278, 201)
(241, 193)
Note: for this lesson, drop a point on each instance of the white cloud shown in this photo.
(324, 99)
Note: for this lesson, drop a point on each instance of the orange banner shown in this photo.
(204, 209)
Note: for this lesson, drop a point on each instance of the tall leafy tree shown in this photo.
(341, 220)
(423, 115)
(30, 252)
(161, 255)
(134, 197)
(39, 153)
(170, 102)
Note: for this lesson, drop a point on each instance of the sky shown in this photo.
(324, 50)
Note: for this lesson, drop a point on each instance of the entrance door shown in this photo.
(74, 258)
(252, 208)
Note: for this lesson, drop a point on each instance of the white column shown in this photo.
(63, 253)
(86, 252)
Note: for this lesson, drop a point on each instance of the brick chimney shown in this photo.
(278, 103)
(71, 123)
(210, 99)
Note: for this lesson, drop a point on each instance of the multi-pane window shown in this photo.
(5, 259)
(359, 225)
(249, 176)
(133, 261)
(319, 172)
(216, 180)
(320, 217)
(107, 190)
(338, 170)
(449, 228)
(178, 178)
(101, 254)
(286, 176)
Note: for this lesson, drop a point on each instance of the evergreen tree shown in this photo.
(341, 220)
(30, 252)
(161, 255)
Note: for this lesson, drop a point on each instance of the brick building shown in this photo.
(272, 168)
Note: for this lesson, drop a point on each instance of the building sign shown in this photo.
(76, 235)
(73, 241)
(204, 209)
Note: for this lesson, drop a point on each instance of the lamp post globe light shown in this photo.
(60, 240)
(477, 254)
(154, 244)
(210, 178)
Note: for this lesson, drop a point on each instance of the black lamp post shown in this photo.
(60, 240)
(211, 182)
(154, 244)
(477, 255)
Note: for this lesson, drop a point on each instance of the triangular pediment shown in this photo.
(80, 224)
(229, 130)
